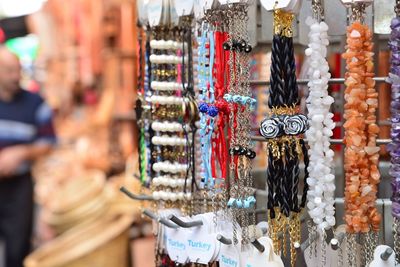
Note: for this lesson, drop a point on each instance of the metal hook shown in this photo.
(257, 245)
(337, 241)
(224, 240)
(163, 221)
(386, 254)
(185, 224)
(306, 243)
(134, 196)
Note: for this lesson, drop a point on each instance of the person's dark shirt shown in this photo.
(27, 119)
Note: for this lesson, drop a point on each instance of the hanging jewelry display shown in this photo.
(394, 147)
(283, 129)
(241, 194)
(361, 152)
(321, 179)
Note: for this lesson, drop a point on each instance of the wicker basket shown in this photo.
(103, 243)
(81, 200)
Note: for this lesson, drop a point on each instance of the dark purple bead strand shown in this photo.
(394, 147)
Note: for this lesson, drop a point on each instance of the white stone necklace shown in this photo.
(321, 179)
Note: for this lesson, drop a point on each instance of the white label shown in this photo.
(270, 5)
(201, 248)
(266, 258)
(154, 11)
(208, 4)
(183, 7)
(176, 244)
(225, 2)
(200, 242)
(229, 256)
(142, 11)
(346, 2)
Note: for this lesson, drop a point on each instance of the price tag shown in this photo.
(266, 258)
(201, 244)
(154, 12)
(229, 256)
(176, 244)
(184, 7)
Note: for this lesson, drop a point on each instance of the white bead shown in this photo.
(156, 195)
(173, 197)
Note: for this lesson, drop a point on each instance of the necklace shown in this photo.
(283, 129)
(361, 153)
(394, 147)
(321, 180)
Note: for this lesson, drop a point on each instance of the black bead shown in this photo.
(231, 151)
(226, 46)
(252, 154)
(243, 44)
(248, 49)
(242, 151)
(236, 150)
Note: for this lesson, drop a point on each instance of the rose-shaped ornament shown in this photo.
(295, 125)
(271, 128)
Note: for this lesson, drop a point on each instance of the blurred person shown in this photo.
(26, 133)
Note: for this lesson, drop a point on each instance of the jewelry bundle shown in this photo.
(321, 180)
(394, 147)
(361, 152)
(283, 129)
(240, 176)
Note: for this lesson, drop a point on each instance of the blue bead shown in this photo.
(236, 98)
(212, 111)
(231, 201)
(239, 203)
(203, 107)
(244, 100)
(228, 98)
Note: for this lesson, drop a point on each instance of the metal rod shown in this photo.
(337, 241)
(224, 240)
(307, 243)
(333, 141)
(134, 196)
(185, 224)
(258, 245)
(386, 254)
(163, 221)
(305, 81)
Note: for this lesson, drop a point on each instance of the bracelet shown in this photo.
(171, 196)
(166, 44)
(166, 126)
(165, 140)
(166, 166)
(167, 86)
(166, 100)
(166, 59)
(168, 181)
